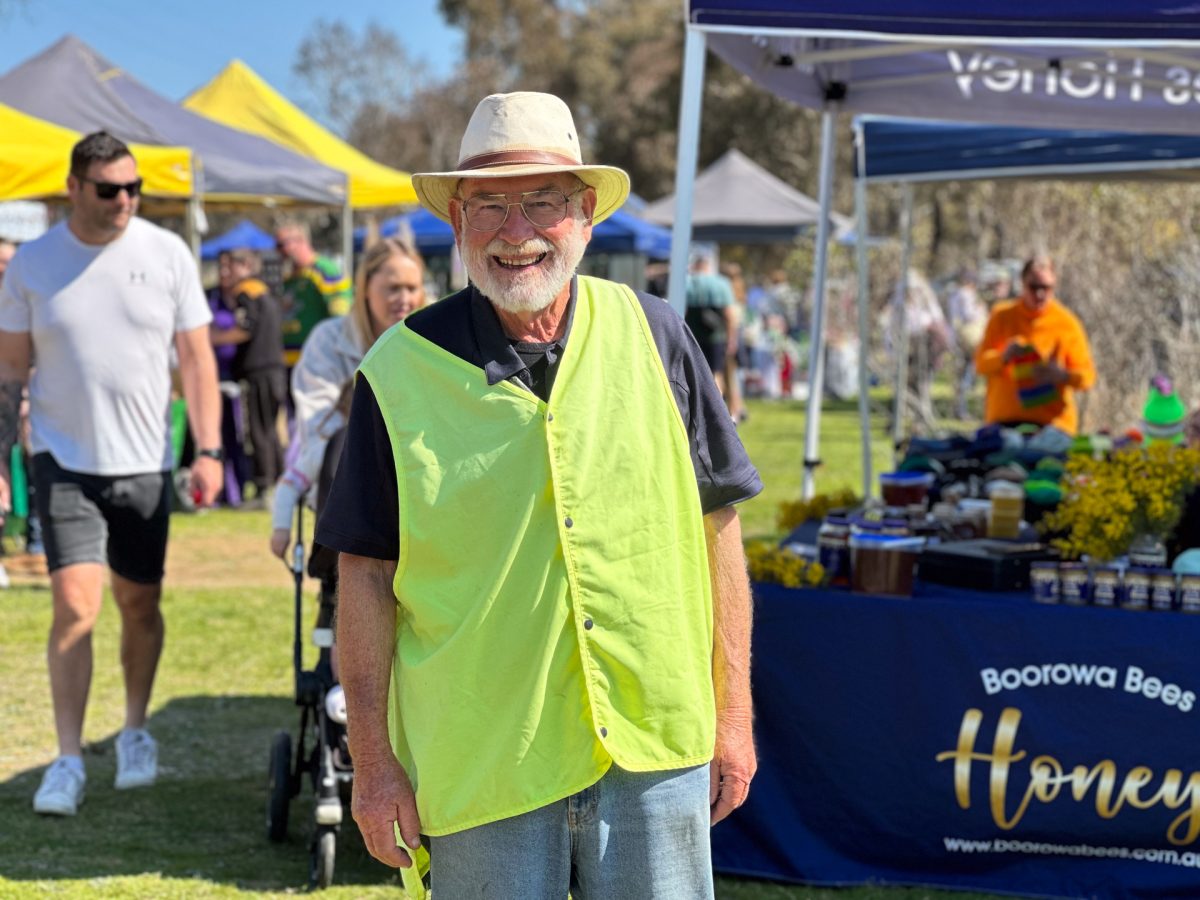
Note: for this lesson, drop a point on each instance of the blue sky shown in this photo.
(174, 47)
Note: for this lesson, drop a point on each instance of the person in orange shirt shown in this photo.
(1034, 355)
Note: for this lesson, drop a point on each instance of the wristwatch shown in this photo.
(212, 453)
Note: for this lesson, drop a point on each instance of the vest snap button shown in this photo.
(549, 417)
(567, 521)
(603, 732)
(587, 624)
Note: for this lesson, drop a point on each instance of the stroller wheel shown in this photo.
(279, 786)
(324, 849)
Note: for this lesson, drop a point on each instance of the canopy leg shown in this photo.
(685, 166)
(816, 361)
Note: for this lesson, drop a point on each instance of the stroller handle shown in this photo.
(298, 549)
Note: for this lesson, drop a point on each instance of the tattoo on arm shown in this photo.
(10, 415)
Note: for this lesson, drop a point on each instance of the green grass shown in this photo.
(224, 688)
(774, 436)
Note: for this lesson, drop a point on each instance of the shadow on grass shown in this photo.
(205, 819)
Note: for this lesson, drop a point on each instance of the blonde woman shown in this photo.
(390, 286)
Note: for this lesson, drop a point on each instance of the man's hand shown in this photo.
(383, 795)
(207, 476)
(1050, 373)
(1011, 351)
(734, 764)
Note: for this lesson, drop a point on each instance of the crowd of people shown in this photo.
(751, 335)
(95, 422)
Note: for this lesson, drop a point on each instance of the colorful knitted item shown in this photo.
(1164, 413)
(1031, 391)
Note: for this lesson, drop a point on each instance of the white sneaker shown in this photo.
(137, 759)
(62, 789)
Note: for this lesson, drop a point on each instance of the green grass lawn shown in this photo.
(774, 436)
(224, 688)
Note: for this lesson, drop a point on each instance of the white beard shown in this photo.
(530, 290)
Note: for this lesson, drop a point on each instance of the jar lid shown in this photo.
(886, 542)
(906, 478)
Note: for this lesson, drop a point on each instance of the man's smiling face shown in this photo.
(519, 265)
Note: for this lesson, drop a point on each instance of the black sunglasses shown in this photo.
(108, 190)
(1035, 286)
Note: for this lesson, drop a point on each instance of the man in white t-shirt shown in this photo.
(100, 300)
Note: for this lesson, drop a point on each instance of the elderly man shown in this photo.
(1034, 355)
(100, 301)
(543, 593)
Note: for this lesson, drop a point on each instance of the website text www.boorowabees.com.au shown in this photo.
(1186, 858)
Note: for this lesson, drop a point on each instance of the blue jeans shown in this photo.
(643, 835)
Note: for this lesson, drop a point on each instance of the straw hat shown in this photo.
(524, 133)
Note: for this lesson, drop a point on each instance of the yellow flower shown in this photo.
(1108, 502)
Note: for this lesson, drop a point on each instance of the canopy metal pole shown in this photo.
(864, 294)
(195, 223)
(688, 149)
(191, 229)
(348, 235)
(816, 361)
(900, 315)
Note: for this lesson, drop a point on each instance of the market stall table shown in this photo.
(971, 740)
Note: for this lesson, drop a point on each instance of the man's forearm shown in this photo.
(203, 396)
(366, 630)
(198, 379)
(732, 613)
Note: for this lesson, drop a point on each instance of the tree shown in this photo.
(341, 71)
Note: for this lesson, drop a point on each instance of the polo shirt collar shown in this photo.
(500, 361)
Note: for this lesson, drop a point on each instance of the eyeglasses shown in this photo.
(1037, 286)
(108, 190)
(543, 209)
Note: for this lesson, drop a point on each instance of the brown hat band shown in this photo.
(510, 157)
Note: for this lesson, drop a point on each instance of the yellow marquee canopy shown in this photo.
(36, 155)
(239, 98)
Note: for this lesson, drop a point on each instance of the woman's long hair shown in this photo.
(373, 259)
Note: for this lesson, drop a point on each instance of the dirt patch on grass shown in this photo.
(216, 549)
(226, 548)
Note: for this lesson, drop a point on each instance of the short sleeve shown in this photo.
(724, 293)
(14, 303)
(191, 307)
(724, 473)
(362, 512)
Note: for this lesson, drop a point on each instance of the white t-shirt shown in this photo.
(103, 321)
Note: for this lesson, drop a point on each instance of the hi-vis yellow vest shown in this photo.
(555, 610)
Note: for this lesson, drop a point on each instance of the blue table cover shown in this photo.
(973, 741)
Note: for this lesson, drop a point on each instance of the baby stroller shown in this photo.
(321, 752)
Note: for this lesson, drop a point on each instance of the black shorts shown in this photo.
(715, 352)
(121, 520)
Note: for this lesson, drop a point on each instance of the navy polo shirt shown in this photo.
(361, 515)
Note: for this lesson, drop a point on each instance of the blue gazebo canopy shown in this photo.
(245, 235)
(907, 150)
(1123, 21)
